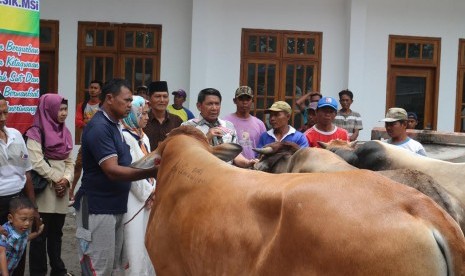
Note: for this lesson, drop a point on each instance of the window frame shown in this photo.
(280, 58)
(460, 100)
(118, 51)
(412, 65)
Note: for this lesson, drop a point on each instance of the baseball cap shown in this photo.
(327, 101)
(395, 114)
(280, 106)
(244, 90)
(180, 92)
(412, 115)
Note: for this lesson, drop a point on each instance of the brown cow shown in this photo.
(211, 218)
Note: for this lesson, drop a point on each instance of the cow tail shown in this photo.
(445, 251)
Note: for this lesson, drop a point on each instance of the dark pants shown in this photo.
(4, 210)
(49, 242)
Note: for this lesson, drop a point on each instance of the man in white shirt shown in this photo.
(396, 127)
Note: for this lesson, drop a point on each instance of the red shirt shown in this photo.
(314, 135)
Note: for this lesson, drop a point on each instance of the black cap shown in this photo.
(158, 86)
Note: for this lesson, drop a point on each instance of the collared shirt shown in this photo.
(291, 136)
(183, 113)
(157, 131)
(102, 139)
(14, 162)
(15, 244)
(226, 126)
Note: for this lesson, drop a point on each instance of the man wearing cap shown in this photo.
(412, 120)
(280, 114)
(324, 130)
(303, 103)
(142, 91)
(161, 122)
(177, 109)
(311, 116)
(248, 127)
(216, 130)
(396, 127)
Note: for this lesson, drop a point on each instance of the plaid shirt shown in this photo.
(227, 127)
(15, 244)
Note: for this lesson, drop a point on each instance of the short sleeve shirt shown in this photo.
(102, 139)
(349, 122)
(248, 132)
(314, 135)
(410, 145)
(291, 136)
(14, 162)
(15, 244)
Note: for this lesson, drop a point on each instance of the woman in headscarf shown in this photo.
(134, 230)
(49, 145)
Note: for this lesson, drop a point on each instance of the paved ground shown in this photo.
(68, 250)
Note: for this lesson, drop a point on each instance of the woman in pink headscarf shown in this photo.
(49, 145)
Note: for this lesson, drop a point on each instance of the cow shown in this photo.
(309, 160)
(211, 218)
(376, 155)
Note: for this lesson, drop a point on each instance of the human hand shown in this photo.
(252, 162)
(37, 221)
(40, 229)
(60, 188)
(215, 132)
(3, 231)
(149, 200)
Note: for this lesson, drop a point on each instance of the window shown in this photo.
(108, 50)
(280, 65)
(413, 77)
(460, 108)
(48, 56)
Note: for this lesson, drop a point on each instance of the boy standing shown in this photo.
(347, 118)
(18, 229)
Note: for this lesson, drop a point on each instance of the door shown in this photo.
(47, 73)
(412, 88)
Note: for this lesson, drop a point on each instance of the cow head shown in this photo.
(342, 148)
(274, 157)
(225, 152)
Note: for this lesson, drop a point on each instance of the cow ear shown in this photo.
(226, 151)
(147, 162)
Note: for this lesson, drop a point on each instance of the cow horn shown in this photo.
(323, 145)
(265, 150)
(353, 144)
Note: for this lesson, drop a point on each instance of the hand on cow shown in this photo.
(252, 162)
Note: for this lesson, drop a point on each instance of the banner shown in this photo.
(19, 60)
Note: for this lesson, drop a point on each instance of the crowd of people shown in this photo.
(118, 127)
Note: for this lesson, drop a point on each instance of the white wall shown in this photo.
(429, 18)
(216, 39)
(201, 42)
(175, 16)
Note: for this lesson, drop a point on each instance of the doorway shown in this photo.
(413, 89)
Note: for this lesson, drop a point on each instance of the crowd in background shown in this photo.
(119, 127)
